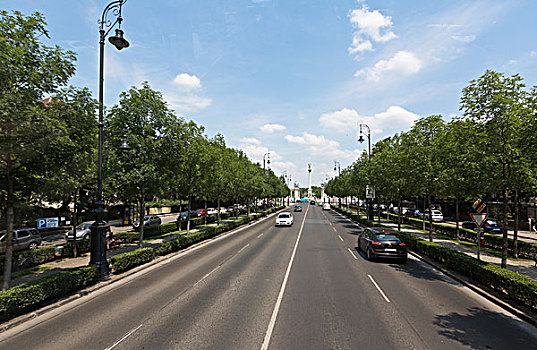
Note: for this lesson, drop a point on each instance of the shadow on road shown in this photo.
(484, 329)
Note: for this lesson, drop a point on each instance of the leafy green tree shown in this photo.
(28, 72)
(497, 104)
(145, 116)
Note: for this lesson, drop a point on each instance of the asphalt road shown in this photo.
(299, 287)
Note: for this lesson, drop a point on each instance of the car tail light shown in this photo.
(375, 243)
(402, 244)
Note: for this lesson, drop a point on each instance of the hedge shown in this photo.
(514, 286)
(525, 249)
(126, 261)
(32, 295)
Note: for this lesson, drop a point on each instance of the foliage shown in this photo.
(32, 295)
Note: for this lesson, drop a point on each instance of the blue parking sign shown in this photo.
(41, 223)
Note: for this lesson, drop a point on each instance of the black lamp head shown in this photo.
(118, 40)
(361, 138)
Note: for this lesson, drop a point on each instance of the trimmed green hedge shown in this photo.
(525, 249)
(356, 217)
(126, 261)
(32, 295)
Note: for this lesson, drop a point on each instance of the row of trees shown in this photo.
(48, 146)
(491, 150)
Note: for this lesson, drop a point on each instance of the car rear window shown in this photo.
(383, 237)
(284, 216)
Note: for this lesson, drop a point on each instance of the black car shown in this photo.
(298, 208)
(376, 244)
(23, 238)
(489, 226)
(312, 202)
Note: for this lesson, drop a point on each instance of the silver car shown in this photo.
(82, 232)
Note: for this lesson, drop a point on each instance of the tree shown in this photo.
(29, 70)
(496, 103)
(145, 116)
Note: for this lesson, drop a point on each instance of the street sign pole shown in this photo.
(478, 230)
(479, 219)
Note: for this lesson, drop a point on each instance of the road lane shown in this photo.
(102, 319)
(440, 309)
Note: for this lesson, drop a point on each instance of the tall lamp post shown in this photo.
(361, 139)
(337, 166)
(266, 161)
(100, 228)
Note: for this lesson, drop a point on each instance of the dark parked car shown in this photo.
(376, 244)
(150, 220)
(312, 202)
(490, 226)
(298, 208)
(23, 238)
(184, 215)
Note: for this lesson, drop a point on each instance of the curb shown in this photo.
(470, 285)
(103, 282)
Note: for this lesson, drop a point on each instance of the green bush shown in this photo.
(82, 247)
(28, 258)
(126, 261)
(30, 296)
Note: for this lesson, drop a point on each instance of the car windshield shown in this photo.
(386, 237)
(284, 216)
(491, 222)
(84, 225)
(437, 212)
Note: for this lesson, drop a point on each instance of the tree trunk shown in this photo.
(430, 218)
(248, 207)
(423, 214)
(180, 221)
(205, 216)
(142, 218)
(457, 216)
(9, 218)
(515, 233)
(75, 219)
(399, 203)
(188, 216)
(218, 207)
(505, 223)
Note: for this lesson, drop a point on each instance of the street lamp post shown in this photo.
(100, 228)
(361, 139)
(337, 166)
(266, 161)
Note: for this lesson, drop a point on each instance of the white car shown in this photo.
(284, 219)
(436, 215)
(211, 211)
(326, 206)
(82, 232)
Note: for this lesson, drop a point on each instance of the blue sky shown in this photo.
(295, 78)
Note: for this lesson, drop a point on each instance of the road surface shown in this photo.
(263, 287)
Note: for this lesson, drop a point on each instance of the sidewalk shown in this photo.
(524, 267)
(60, 265)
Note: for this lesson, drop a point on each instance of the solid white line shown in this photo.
(125, 337)
(333, 228)
(354, 256)
(340, 238)
(261, 235)
(380, 290)
(272, 322)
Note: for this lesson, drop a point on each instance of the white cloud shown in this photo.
(310, 139)
(402, 63)
(187, 82)
(464, 38)
(250, 140)
(370, 25)
(272, 128)
(394, 118)
(187, 103)
(320, 145)
(339, 120)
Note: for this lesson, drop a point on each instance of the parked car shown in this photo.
(212, 211)
(82, 232)
(326, 206)
(377, 244)
(23, 238)
(150, 220)
(489, 226)
(298, 208)
(284, 219)
(312, 202)
(436, 215)
(223, 210)
(184, 215)
(200, 212)
(402, 210)
(413, 213)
